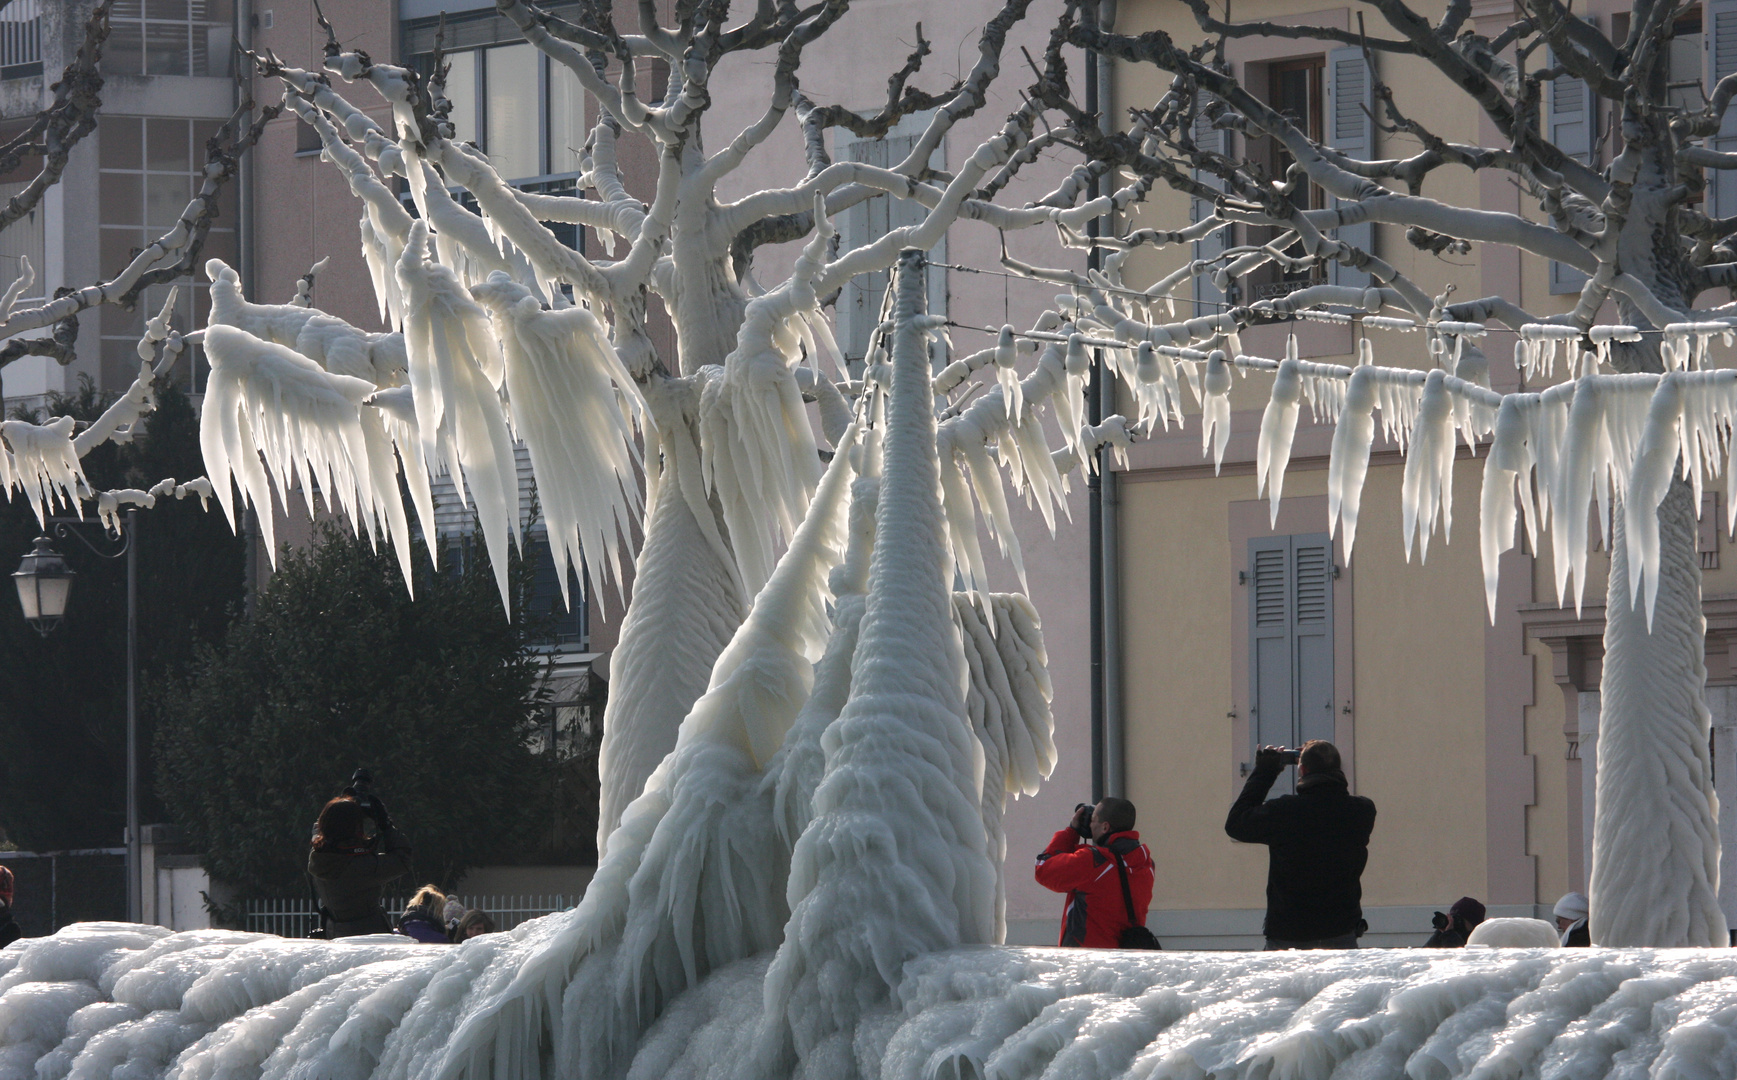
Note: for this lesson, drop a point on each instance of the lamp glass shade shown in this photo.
(44, 584)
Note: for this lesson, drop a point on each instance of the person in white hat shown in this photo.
(1571, 919)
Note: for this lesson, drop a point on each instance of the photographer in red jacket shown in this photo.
(1096, 913)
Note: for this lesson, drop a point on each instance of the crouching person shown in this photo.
(1106, 872)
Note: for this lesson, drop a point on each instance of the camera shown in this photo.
(1085, 830)
(361, 785)
(1288, 755)
(1439, 921)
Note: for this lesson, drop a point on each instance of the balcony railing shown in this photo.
(21, 39)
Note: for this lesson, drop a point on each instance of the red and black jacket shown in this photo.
(1095, 914)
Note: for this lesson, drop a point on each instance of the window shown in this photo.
(1290, 625)
(860, 302)
(21, 39)
(556, 623)
(524, 111)
(171, 37)
(149, 171)
(1574, 131)
(1293, 87)
(1720, 43)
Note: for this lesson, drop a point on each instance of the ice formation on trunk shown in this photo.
(897, 813)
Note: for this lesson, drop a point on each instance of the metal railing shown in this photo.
(297, 917)
(21, 39)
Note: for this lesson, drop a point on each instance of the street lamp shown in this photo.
(44, 583)
(44, 586)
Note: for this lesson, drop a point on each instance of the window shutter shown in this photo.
(1573, 126)
(1272, 693)
(859, 304)
(1208, 297)
(1312, 563)
(1720, 21)
(1290, 582)
(1351, 131)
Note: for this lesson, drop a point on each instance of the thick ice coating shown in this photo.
(214, 1004)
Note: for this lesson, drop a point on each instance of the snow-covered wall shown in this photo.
(112, 1000)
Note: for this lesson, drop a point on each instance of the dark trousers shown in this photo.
(1343, 941)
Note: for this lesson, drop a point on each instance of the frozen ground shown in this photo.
(110, 1000)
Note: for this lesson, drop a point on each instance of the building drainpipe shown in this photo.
(1101, 493)
(1094, 479)
(1115, 772)
(244, 16)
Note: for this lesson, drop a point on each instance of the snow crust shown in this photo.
(208, 1004)
(1515, 934)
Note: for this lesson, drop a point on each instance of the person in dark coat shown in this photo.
(1453, 928)
(1095, 913)
(1571, 913)
(1317, 845)
(421, 920)
(9, 931)
(347, 869)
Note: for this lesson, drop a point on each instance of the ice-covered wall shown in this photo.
(102, 1000)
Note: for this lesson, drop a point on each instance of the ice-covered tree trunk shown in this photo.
(1655, 853)
(893, 864)
(686, 605)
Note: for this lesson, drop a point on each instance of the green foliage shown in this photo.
(338, 668)
(63, 697)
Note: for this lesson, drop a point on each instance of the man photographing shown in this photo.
(1108, 881)
(1317, 843)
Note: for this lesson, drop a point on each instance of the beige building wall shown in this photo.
(1477, 741)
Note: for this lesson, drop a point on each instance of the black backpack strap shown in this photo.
(1127, 893)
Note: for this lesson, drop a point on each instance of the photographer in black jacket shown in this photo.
(1317, 842)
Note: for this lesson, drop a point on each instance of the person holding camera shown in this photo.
(349, 867)
(1453, 928)
(1317, 845)
(1106, 872)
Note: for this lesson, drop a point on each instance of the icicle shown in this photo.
(1506, 465)
(1278, 428)
(1215, 409)
(271, 412)
(563, 377)
(1427, 486)
(1649, 478)
(1006, 373)
(456, 370)
(1069, 402)
(43, 465)
(1348, 464)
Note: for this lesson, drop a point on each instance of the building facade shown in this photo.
(1477, 740)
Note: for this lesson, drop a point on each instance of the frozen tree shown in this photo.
(42, 461)
(1644, 420)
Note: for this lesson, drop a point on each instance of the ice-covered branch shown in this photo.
(54, 131)
(176, 252)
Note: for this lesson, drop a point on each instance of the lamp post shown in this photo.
(44, 582)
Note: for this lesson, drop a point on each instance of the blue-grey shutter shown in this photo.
(1290, 581)
(1573, 128)
(1208, 297)
(1350, 105)
(860, 303)
(1272, 691)
(1312, 573)
(1720, 23)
